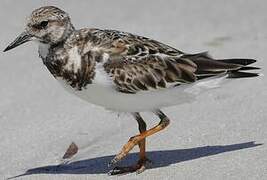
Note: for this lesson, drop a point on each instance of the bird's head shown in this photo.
(49, 25)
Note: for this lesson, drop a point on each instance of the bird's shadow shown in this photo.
(163, 158)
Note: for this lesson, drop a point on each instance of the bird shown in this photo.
(124, 72)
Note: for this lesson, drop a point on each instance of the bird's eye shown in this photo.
(41, 25)
(44, 24)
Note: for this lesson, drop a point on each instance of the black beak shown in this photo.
(21, 39)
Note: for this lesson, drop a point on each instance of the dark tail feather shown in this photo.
(208, 67)
(243, 62)
(246, 68)
(239, 74)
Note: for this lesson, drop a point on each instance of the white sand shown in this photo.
(210, 138)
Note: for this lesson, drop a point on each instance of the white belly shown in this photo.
(107, 97)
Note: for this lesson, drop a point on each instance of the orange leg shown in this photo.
(140, 140)
(142, 128)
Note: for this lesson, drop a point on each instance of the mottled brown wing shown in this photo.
(127, 44)
(149, 72)
(138, 63)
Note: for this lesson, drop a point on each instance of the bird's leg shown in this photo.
(140, 140)
(140, 166)
(142, 143)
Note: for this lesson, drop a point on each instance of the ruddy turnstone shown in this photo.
(123, 72)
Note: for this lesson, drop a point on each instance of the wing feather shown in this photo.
(150, 72)
(138, 63)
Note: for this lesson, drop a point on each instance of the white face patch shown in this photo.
(74, 60)
(56, 32)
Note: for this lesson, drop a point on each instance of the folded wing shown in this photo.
(137, 63)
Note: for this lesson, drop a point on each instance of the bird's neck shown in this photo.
(68, 31)
(46, 48)
(63, 63)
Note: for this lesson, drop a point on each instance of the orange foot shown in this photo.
(140, 167)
